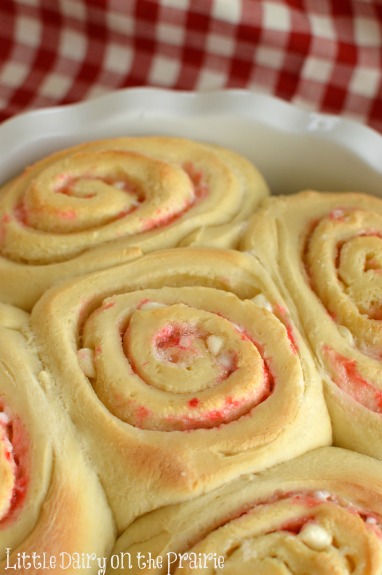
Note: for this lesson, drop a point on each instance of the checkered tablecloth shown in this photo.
(324, 56)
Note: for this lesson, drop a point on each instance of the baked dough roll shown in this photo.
(320, 513)
(101, 203)
(326, 250)
(181, 370)
(51, 501)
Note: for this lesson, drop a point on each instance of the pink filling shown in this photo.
(284, 317)
(213, 415)
(19, 454)
(206, 419)
(294, 526)
(142, 413)
(337, 214)
(348, 378)
(217, 414)
(107, 305)
(20, 213)
(165, 219)
(310, 500)
(197, 179)
(174, 336)
(194, 402)
(66, 214)
(172, 340)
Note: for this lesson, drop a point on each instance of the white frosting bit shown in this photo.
(119, 184)
(371, 520)
(337, 213)
(215, 344)
(322, 495)
(261, 301)
(347, 334)
(4, 418)
(225, 360)
(315, 536)
(85, 358)
(151, 305)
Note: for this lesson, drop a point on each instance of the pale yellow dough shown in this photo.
(180, 371)
(102, 203)
(324, 252)
(51, 501)
(318, 514)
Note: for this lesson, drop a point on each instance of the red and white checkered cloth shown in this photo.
(320, 54)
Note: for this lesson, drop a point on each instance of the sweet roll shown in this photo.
(180, 370)
(52, 506)
(101, 203)
(324, 252)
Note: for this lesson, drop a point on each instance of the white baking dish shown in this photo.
(294, 149)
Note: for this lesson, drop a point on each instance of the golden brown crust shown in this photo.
(56, 504)
(324, 252)
(177, 376)
(101, 203)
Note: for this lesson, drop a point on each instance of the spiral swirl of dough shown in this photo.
(95, 205)
(344, 262)
(45, 481)
(188, 360)
(329, 261)
(181, 369)
(319, 513)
